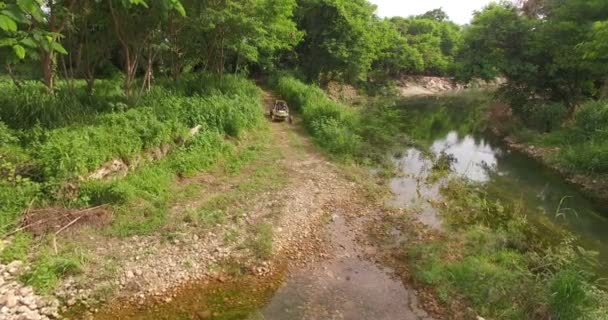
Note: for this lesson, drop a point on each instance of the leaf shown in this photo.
(139, 2)
(28, 42)
(56, 46)
(7, 24)
(19, 51)
(178, 7)
(7, 42)
(31, 7)
(14, 14)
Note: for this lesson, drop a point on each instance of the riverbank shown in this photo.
(595, 186)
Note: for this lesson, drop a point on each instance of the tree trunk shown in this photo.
(176, 67)
(147, 82)
(48, 76)
(130, 58)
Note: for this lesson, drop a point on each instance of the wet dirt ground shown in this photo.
(349, 285)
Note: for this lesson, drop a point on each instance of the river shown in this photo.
(504, 174)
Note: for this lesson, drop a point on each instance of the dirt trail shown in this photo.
(319, 249)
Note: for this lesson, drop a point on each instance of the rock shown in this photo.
(9, 300)
(31, 315)
(23, 309)
(138, 272)
(204, 315)
(71, 302)
(129, 274)
(14, 267)
(25, 291)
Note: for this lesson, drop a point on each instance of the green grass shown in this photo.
(60, 139)
(17, 249)
(503, 266)
(260, 243)
(50, 140)
(333, 126)
(48, 269)
(583, 143)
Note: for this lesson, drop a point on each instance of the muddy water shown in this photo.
(346, 286)
(505, 174)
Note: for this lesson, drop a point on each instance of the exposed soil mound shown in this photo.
(56, 220)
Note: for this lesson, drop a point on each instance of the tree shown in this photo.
(137, 25)
(231, 34)
(89, 40)
(343, 38)
(547, 54)
(437, 15)
(30, 31)
(437, 42)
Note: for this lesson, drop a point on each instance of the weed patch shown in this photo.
(503, 265)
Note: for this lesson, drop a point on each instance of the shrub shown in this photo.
(6, 136)
(545, 117)
(29, 105)
(16, 194)
(17, 249)
(332, 125)
(591, 157)
(503, 265)
(570, 298)
(69, 134)
(592, 120)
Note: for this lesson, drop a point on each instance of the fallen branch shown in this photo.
(45, 220)
(69, 224)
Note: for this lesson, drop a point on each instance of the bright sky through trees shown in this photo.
(460, 11)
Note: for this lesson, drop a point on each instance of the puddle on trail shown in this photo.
(346, 286)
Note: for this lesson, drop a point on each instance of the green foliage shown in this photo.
(18, 248)
(544, 117)
(332, 125)
(69, 148)
(582, 144)
(29, 105)
(343, 38)
(20, 29)
(505, 266)
(550, 55)
(425, 44)
(571, 298)
(592, 120)
(48, 269)
(15, 195)
(261, 241)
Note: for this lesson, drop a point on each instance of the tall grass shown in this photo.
(48, 140)
(504, 266)
(583, 142)
(332, 125)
